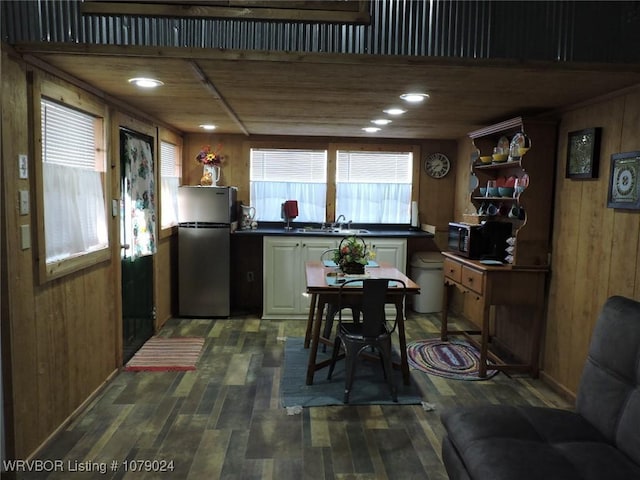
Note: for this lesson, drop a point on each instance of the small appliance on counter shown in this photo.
(289, 212)
(205, 219)
(487, 241)
(247, 217)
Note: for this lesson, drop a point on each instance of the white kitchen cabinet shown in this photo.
(284, 281)
(390, 250)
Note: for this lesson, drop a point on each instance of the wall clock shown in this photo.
(437, 165)
(624, 191)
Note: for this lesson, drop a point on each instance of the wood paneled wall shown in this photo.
(435, 199)
(59, 339)
(595, 249)
(63, 339)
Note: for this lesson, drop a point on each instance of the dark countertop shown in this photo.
(389, 231)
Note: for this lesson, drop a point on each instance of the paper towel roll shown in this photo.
(414, 214)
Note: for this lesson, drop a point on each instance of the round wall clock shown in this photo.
(437, 165)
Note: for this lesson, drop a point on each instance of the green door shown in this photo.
(137, 237)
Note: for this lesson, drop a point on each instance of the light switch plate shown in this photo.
(23, 166)
(114, 207)
(25, 237)
(24, 202)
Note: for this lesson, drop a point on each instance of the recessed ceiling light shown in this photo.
(394, 111)
(208, 126)
(371, 129)
(381, 121)
(414, 97)
(146, 82)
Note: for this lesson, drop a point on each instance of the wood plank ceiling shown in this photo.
(265, 93)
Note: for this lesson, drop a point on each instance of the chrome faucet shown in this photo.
(337, 223)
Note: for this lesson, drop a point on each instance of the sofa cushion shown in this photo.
(609, 391)
(506, 443)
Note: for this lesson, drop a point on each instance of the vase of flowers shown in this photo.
(352, 255)
(211, 161)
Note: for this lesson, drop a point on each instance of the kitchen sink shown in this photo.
(358, 231)
(333, 231)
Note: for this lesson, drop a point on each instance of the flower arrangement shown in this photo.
(207, 156)
(352, 255)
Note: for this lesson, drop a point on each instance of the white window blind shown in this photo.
(282, 165)
(74, 203)
(277, 175)
(169, 183)
(68, 136)
(374, 187)
(380, 167)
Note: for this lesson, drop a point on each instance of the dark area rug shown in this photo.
(455, 359)
(369, 385)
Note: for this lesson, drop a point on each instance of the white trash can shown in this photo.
(426, 271)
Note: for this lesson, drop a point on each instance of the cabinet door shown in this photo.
(311, 250)
(281, 289)
(390, 250)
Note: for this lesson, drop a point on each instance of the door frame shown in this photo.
(121, 120)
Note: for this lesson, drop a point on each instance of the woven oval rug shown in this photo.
(454, 359)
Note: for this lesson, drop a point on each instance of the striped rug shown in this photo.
(454, 359)
(167, 354)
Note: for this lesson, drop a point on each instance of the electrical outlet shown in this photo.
(250, 277)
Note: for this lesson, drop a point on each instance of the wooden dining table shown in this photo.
(324, 292)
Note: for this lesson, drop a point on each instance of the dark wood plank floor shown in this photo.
(224, 420)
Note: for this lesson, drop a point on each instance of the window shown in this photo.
(277, 175)
(374, 187)
(73, 166)
(170, 166)
(70, 180)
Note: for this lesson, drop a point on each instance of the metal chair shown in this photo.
(332, 308)
(373, 331)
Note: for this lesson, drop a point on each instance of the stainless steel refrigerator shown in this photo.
(205, 215)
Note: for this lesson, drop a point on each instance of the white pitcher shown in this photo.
(248, 216)
(210, 175)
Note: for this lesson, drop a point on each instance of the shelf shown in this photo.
(495, 199)
(498, 166)
(533, 232)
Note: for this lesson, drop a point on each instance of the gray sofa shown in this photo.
(599, 441)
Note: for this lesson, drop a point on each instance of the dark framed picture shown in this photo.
(623, 181)
(583, 153)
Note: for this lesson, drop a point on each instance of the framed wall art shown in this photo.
(623, 181)
(583, 153)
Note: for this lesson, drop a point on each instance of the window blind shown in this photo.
(74, 203)
(168, 159)
(169, 183)
(374, 167)
(69, 136)
(288, 165)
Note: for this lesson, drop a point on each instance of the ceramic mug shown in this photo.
(514, 212)
(492, 209)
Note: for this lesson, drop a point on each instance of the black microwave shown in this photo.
(479, 242)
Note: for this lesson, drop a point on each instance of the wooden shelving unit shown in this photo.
(533, 233)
